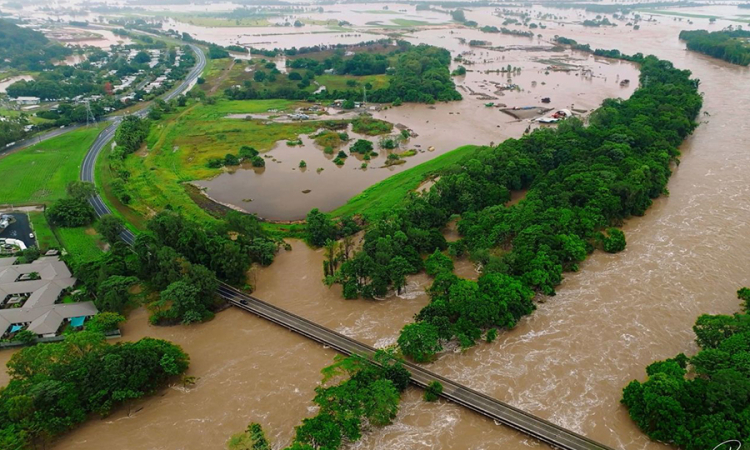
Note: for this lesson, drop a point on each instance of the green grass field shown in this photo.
(338, 82)
(83, 243)
(45, 237)
(180, 146)
(379, 199)
(39, 174)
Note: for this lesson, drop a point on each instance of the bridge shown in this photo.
(501, 412)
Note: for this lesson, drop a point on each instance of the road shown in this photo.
(89, 162)
(501, 412)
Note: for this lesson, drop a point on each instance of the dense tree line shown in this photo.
(180, 259)
(416, 74)
(581, 181)
(729, 45)
(23, 48)
(54, 387)
(368, 395)
(699, 402)
(130, 135)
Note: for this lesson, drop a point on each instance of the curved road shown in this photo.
(511, 416)
(89, 162)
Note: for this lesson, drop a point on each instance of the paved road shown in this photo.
(476, 401)
(39, 138)
(89, 162)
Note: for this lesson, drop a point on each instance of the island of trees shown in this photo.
(582, 181)
(699, 402)
(730, 45)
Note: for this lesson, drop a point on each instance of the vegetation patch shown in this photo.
(730, 45)
(380, 199)
(370, 126)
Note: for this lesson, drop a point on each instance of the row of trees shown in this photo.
(699, 402)
(130, 135)
(54, 387)
(581, 181)
(729, 45)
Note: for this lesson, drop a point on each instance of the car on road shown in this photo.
(31, 235)
(243, 301)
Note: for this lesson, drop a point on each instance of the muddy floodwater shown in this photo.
(568, 362)
(569, 79)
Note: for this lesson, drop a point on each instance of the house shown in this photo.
(27, 100)
(29, 295)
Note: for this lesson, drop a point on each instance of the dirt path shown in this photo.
(221, 79)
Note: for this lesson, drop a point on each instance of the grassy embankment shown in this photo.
(381, 198)
(179, 147)
(39, 175)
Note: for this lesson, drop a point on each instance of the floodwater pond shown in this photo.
(571, 80)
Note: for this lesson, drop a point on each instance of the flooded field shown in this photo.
(5, 82)
(571, 80)
(568, 362)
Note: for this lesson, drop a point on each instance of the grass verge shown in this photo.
(82, 243)
(45, 237)
(40, 173)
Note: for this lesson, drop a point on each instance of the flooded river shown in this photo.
(568, 362)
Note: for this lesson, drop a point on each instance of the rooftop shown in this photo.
(39, 310)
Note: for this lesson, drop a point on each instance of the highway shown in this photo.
(485, 405)
(89, 161)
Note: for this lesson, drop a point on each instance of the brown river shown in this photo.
(568, 362)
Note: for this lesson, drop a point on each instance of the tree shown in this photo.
(247, 152)
(437, 262)
(70, 212)
(320, 228)
(25, 337)
(362, 146)
(252, 439)
(257, 161)
(110, 227)
(615, 242)
(433, 391)
(104, 322)
(113, 294)
(231, 160)
(80, 190)
(419, 341)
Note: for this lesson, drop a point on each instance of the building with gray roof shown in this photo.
(29, 294)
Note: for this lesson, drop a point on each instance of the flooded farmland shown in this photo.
(567, 362)
(569, 79)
